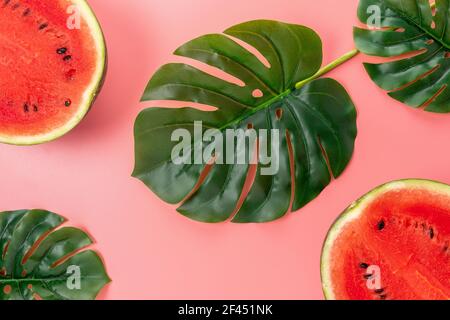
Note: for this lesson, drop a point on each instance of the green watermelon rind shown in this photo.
(356, 209)
(90, 93)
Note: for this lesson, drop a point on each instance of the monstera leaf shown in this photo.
(39, 262)
(413, 27)
(277, 65)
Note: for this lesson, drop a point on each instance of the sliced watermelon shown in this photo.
(393, 244)
(52, 63)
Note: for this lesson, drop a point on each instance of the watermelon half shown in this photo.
(392, 244)
(52, 65)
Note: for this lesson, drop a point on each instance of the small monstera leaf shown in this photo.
(39, 261)
(316, 124)
(414, 27)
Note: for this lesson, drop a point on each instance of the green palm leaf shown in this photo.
(411, 27)
(316, 118)
(38, 261)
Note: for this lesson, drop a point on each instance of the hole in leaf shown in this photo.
(279, 113)
(30, 287)
(250, 126)
(433, 25)
(212, 71)
(5, 250)
(292, 167)
(429, 42)
(174, 104)
(249, 181)
(406, 55)
(7, 289)
(63, 259)
(399, 30)
(426, 74)
(326, 157)
(434, 97)
(257, 93)
(252, 50)
(205, 173)
(37, 297)
(34, 248)
(447, 55)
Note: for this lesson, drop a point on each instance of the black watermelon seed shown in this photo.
(431, 233)
(381, 225)
(368, 276)
(383, 297)
(16, 6)
(61, 50)
(67, 58)
(68, 103)
(379, 291)
(6, 2)
(35, 108)
(43, 26)
(26, 108)
(363, 265)
(27, 12)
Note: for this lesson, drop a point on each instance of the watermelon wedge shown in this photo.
(52, 65)
(392, 244)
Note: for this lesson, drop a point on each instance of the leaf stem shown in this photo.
(336, 63)
(300, 84)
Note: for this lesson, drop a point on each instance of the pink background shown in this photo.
(150, 251)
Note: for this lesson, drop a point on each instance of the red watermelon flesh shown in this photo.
(50, 70)
(393, 244)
